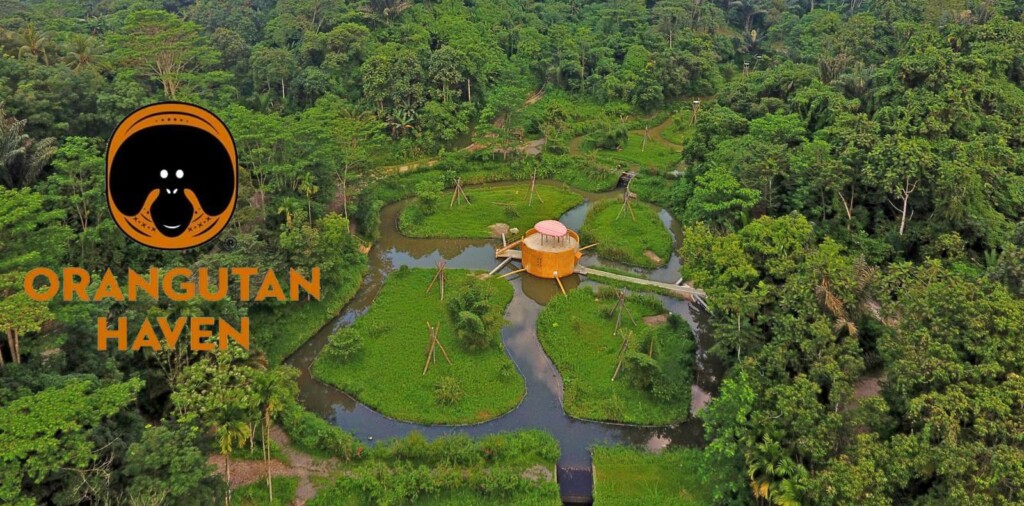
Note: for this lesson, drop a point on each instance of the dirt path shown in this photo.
(656, 136)
(531, 148)
(299, 464)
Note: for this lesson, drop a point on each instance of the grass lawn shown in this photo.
(632, 477)
(473, 220)
(255, 494)
(387, 374)
(576, 332)
(281, 330)
(499, 469)
(623, 239)
(655, 155)
(680, 130)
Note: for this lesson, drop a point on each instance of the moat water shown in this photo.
(542, 406)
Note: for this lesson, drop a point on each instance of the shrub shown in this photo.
(312, 434)
(448, 392)
(344, 345)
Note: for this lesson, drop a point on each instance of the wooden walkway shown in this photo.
(510, 252)
(686, 292)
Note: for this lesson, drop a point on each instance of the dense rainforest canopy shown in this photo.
(851, 192)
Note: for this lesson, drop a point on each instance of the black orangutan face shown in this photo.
(170, 183)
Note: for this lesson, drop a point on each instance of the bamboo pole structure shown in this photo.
(500, 266)
(588, 246)
(620, 306)
(517, 271)
(432, 348)
(696, 108)
(438, 276)
(622, 355)
(560, 285)
(457, 193)
(533, 187)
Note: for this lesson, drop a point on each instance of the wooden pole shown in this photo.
(517, 271)
(622, 355)
(643, 146)
(533, 187)
(560, 285)
(437, 341)
(500, 266)
(588, 246)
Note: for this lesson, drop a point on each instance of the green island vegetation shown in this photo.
(851, 194)
(434, 215)
(392, 339)
(652, 385)
(635, 477)
(633, 151)
(504, 468)
(638, 238)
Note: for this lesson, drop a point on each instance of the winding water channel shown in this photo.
(542, 406)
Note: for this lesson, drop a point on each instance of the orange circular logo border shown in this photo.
(172, 113)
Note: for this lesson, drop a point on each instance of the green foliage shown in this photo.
(504, 468)
(473, 316)
(45, 433)
(167, 468)
(625, 475)
(576, 332)
(448, 392)
(314, 435)
(622, 238)
(396, 341)
(344, 345)
(257, 494)
(487, 207)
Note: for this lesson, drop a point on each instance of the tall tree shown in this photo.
(162, 47)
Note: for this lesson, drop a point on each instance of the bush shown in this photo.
(448, 392)
(314, 435)
(344, 345)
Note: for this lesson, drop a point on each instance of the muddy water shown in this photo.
(541, 408)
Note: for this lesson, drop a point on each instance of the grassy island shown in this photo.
(380, 359)
(634, 477)
(643, 242)
(653, 385)
(498, 204)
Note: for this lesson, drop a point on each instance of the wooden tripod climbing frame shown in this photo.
(696, 108)
(438, 276)
(457, 193)
(627, 196)
(620, 306)
(433, 346)
(622, 354)
(533, 187)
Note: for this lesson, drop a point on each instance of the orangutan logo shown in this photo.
(172, 175)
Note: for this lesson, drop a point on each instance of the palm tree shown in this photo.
(748, 10)
(33, 42)
(308, 188)
(81, 51)
(275, 388)
(231, 435)
(21, 157)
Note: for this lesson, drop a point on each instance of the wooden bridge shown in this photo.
(509, 252)
(686, 292)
